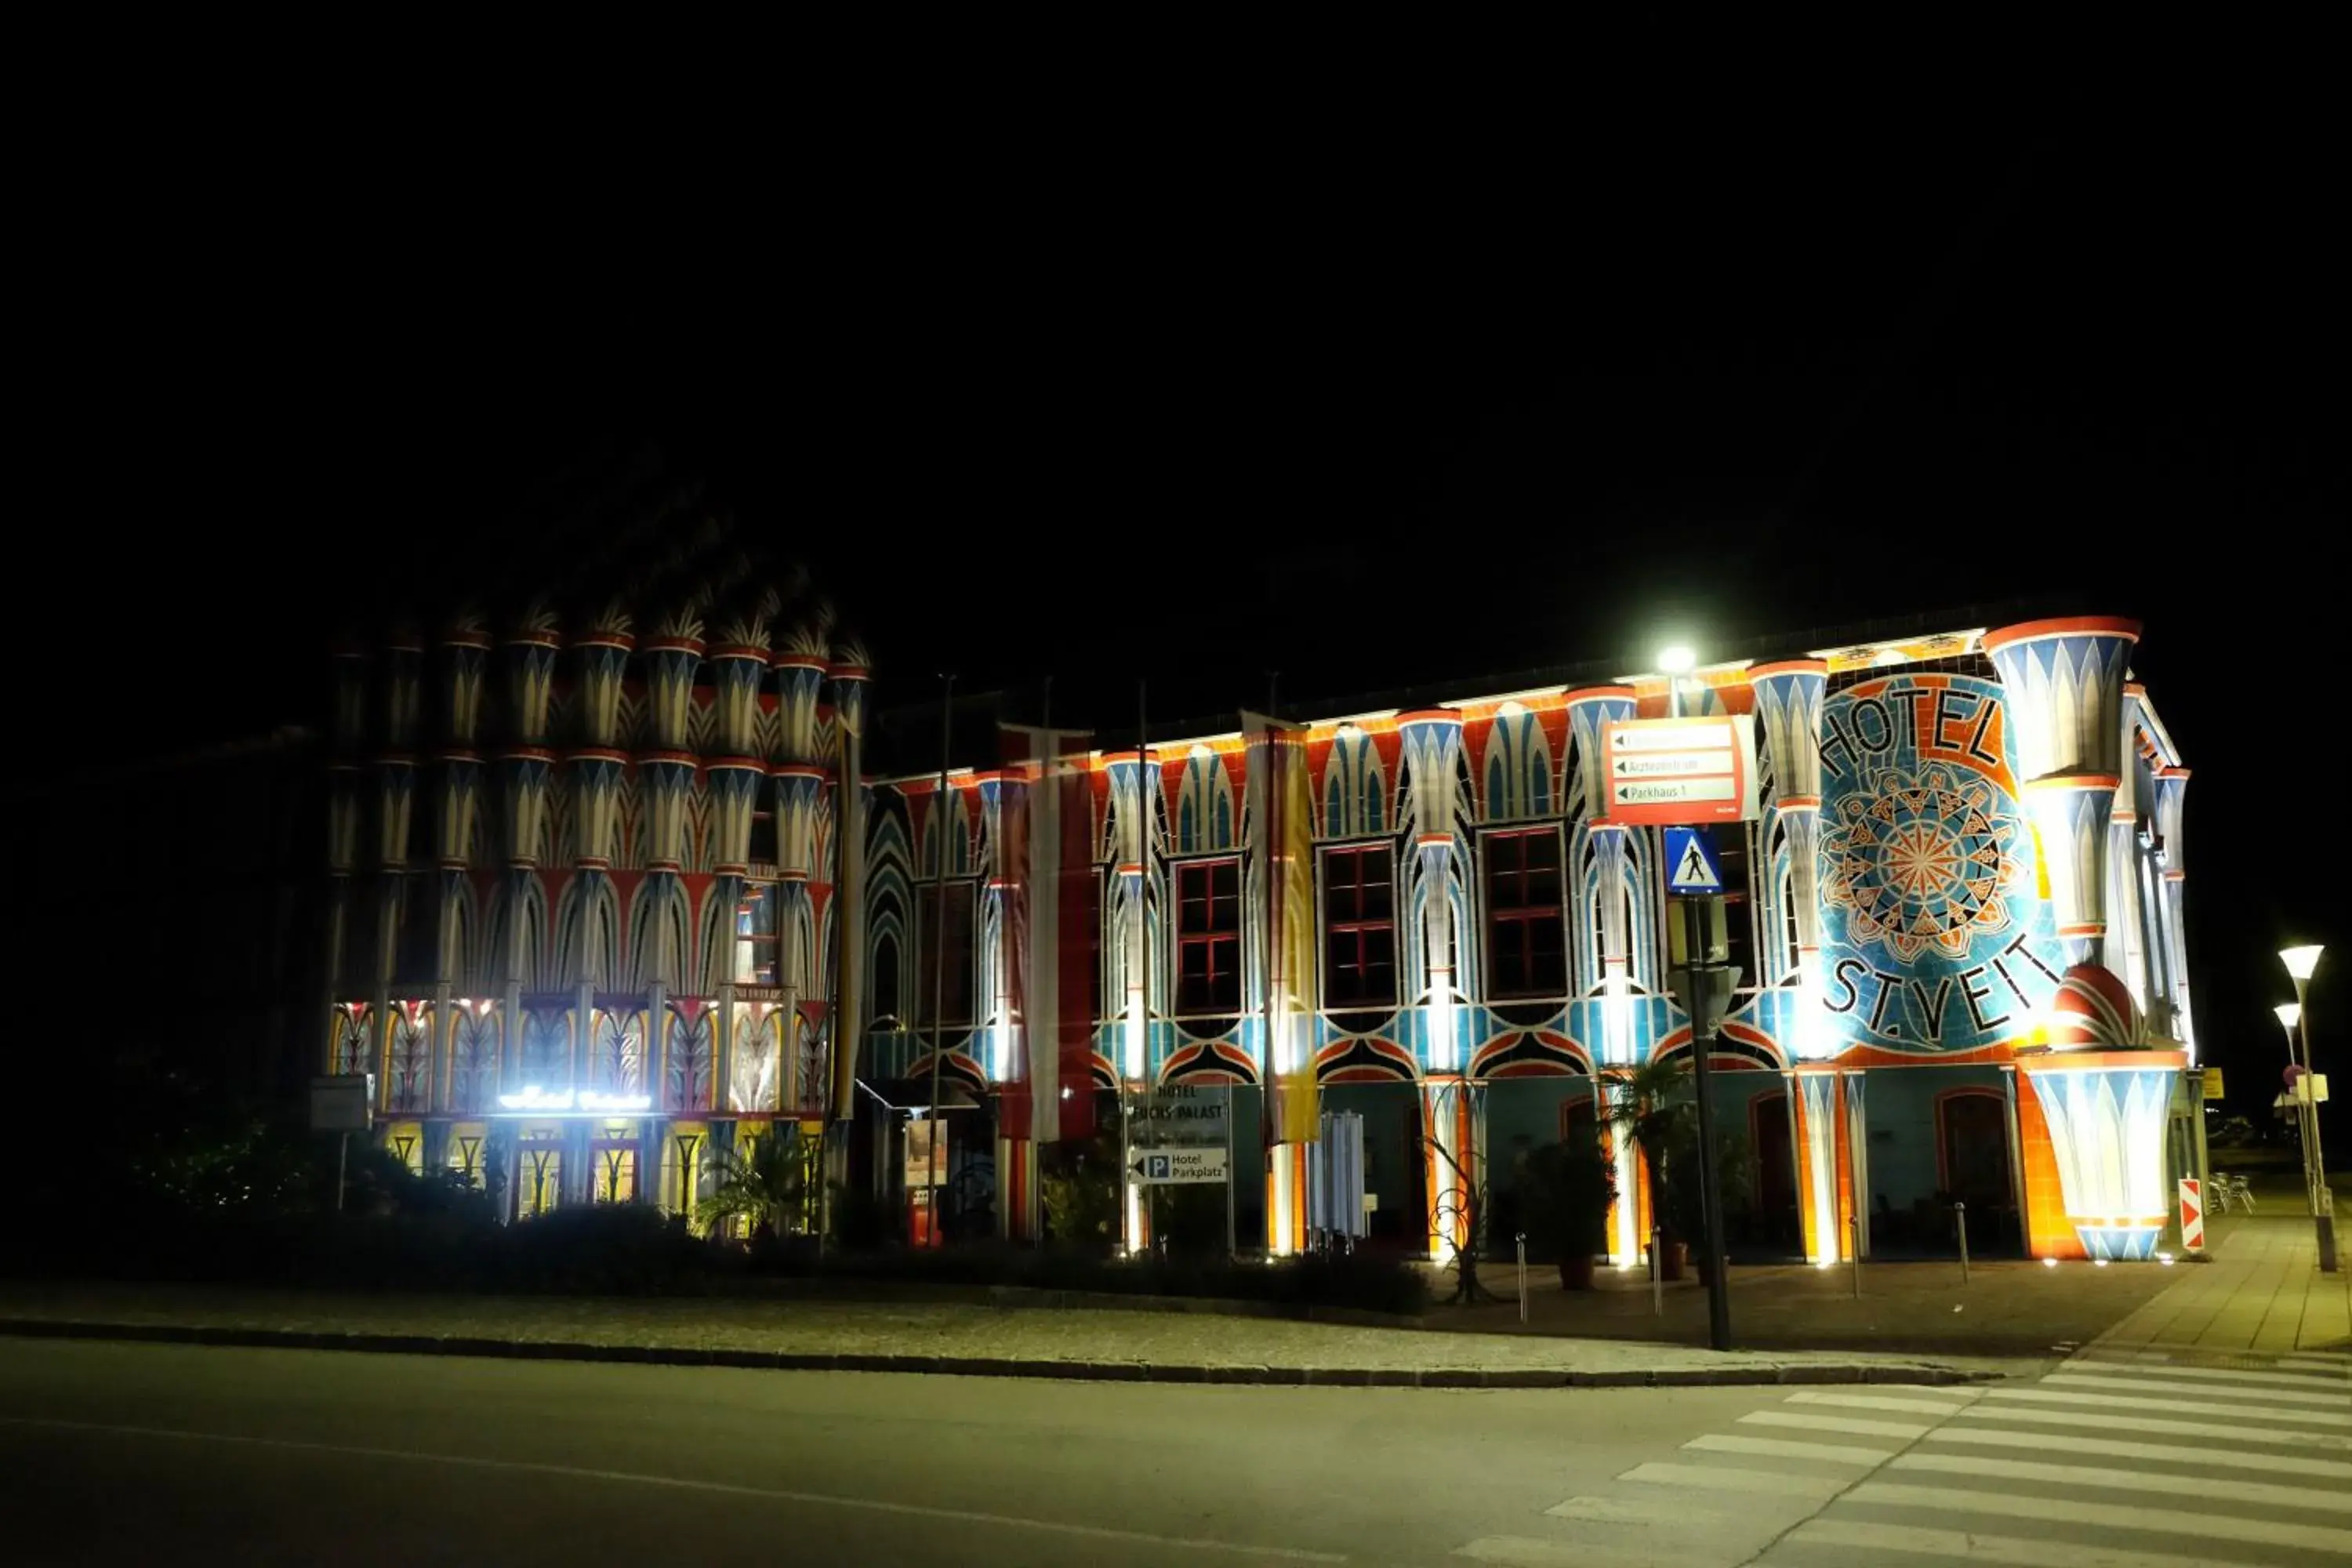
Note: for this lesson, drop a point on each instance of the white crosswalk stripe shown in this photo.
(1975, 1546)
(2327, 1397)
(2184, 1406)
(2075, 1443)
(1788, 1449)
(2314, 1380)
(2104, 1420)
(2097, 1465)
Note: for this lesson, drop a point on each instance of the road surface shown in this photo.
(146, 1454)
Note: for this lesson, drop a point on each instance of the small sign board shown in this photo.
(2211, 1083)
(1181, 1115)
(927, 1154)
(1171, 1167)
(1670, 772)
(2192, 1215)
(342, 1102)
(1691, 863)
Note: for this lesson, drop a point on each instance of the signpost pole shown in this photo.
(1719, 1288)
(343, 1157)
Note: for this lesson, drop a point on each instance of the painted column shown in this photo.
(1129, 851)
(1015, 1156)
(596, 776)
(845, 1026)
(1431, 746)
(2127, 949)
(2064, 680)
(667, 779)
(737, 670)
(2171, 790)
(395, 777)
(1789, 711)
(1590, 712)
(797, 787)
(461, 795)
(1857, 1159)
(670, 663)
(1822, 1175)
(603, 654)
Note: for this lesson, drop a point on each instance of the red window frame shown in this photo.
(1357, 940)
(1209, 935)
(1516, 912)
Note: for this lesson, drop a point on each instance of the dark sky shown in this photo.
(1105, 412)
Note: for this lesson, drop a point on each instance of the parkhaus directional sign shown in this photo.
(1671, 772)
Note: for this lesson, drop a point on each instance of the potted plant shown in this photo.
(1565, 1200)
(1734, 1182)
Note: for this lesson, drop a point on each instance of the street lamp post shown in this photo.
(1675, 661)
(2290, 1015)
(2299, 963)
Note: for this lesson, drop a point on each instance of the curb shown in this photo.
(987, 1366)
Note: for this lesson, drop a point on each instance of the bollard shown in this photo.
(1658, 1273)
(1961, 1211)
(1853, 1240)
(1523, 1276)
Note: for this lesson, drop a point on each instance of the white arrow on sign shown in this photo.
(1669, 736)
(1632, 792)
(1669, 762)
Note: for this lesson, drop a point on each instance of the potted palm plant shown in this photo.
(1567, 1189)
(1651, 1104)
(764, 1182)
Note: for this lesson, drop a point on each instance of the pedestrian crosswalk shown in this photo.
(2128, 1460)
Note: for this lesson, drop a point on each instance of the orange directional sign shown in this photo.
(1677, 772)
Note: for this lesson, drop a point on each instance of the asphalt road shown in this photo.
(120, 1454)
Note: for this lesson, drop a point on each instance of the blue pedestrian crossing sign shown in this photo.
(1691, 865)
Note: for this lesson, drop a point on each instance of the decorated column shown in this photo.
(1432, 743)
(2100, 1097)
(1016, 1163)
(2171, 790)
(1788, 713)
(1590, 712)
(2064, 680)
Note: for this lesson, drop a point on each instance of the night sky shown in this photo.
(1197, 417)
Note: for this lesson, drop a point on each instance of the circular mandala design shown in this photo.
(1921, 860)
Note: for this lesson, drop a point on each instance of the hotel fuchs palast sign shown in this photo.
(1674, 773)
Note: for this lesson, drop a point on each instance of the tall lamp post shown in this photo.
(1676, 662)
(2290, 1015)
(2299, 963)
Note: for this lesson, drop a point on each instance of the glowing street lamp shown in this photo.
(2301, 961)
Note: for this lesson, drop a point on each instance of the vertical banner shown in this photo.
(1051, 918)
(1285, 835)
(848, 1021)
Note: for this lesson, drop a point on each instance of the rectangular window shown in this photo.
(418, 961)
(763, 839)
(1527, 925)
(1208, 936)
(755, 935)
(943, 999)
(1359, 926)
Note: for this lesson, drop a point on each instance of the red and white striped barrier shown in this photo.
(2192, 1216)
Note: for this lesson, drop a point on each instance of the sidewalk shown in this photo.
(2263, 1294)
(1064, 1343)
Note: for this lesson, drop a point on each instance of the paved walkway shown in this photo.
(2261, 1294)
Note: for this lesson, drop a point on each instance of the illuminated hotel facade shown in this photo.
(1958, 909)
(585, 938)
